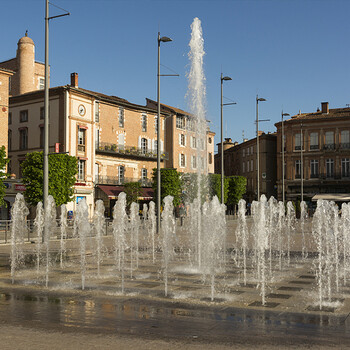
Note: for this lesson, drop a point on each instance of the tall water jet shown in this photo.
(50, 226)
(99, 220)
(290, 229)
(345, 224)
(39, 228)
(119, 225)
(303, 218)
(280, 232)
(242, 236)
(152, 228)
(83, 228)
(19, 212)
(63, 227)
(168, 235)
(134, 236)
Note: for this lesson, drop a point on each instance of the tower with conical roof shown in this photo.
(29, 74)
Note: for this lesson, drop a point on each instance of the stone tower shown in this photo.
(26, 64)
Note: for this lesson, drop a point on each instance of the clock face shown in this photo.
(81, 110)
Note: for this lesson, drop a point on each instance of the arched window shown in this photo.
(121, 174)
(144, 144)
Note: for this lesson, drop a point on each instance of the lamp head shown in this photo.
(285, 114)
(165, 39)
(226, 78)
(260, 99)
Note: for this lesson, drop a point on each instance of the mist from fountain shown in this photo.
(63, 231)
(49, 227)
(99, 226)
(39, 228)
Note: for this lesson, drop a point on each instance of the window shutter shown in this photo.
(149, 144)
(185, 161)
(161, 146)
(185, 140)
(139, 142)
(180, 139)
(180, 160)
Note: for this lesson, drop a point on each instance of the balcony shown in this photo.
(129, 151)
(345, 145)
(314, 147)
(115, 180)
(329, 147)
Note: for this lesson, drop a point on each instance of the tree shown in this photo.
(170, 184)
(3, 162)
(132, 191)
(62, 171)
(190, 187)
(215, 186)
(237, 186)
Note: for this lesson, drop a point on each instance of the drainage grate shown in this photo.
(291, 289)
(300, 282)
(324, 308)
(307, 277)
(147, 285)
(268, 304)
(278, 296)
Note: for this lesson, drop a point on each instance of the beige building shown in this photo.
(114, 140)
(187, 149)
(316, 153)
(241, 159)
(29, 75)
(5, 76)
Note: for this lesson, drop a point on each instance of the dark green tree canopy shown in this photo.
(3, 162)
(237, 186)
(215, 186)
(170, 184)
(62, 171)
(133, 192)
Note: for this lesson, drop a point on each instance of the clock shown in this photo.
(81, 110)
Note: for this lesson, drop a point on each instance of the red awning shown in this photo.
(113, 192)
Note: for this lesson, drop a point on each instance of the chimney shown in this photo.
(325, 107)
(74, 79)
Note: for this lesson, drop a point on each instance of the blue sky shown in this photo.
(293, 53)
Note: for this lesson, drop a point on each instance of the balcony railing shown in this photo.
(314, 147)
(115, 180)
(345, 145)
(329, 147)
(111, 148)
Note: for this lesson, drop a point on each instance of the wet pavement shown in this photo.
(140, 316)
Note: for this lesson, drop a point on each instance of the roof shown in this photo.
(336, 197)
(114, 191)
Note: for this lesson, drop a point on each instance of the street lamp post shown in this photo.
(282, 147)
(222, 142)
(257, 145)
(46, 104)
(163, 39)
(301, 163)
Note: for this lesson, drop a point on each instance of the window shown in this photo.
(251, 165)
(81, 139)
(180, 122)
(210, 158)
(314, 168)
(297, 142)
(329, 140)
(9, 140)
(248, 167)
(81, 170)
(248, 151)
(42, 113)
(243, 152)
(210, 140)
(329, 167)
(144, 174)
(144, 144)
(314, 140)
(243, 167)
(121, 173)
(121, 117)
(97, 111)
(23, 116)
(121, 138)
(284, 142)
(144, 122)
(190, 124)
(251, 150)
(97, 172)
(41, 83)
(194, 142)
(10, 118)
(97, 139)
(297, 169)
(182, 140)
(42, 137)
(182, 160)
(156, 124)
(23, 138)
(344, 139)
(194, 162)
(345, 167)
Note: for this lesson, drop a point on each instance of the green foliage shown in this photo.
(237, 186)
(3, 162)
(170, 184)
(215, 186)
(132, 191)
(62, 171)
(190, 187)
